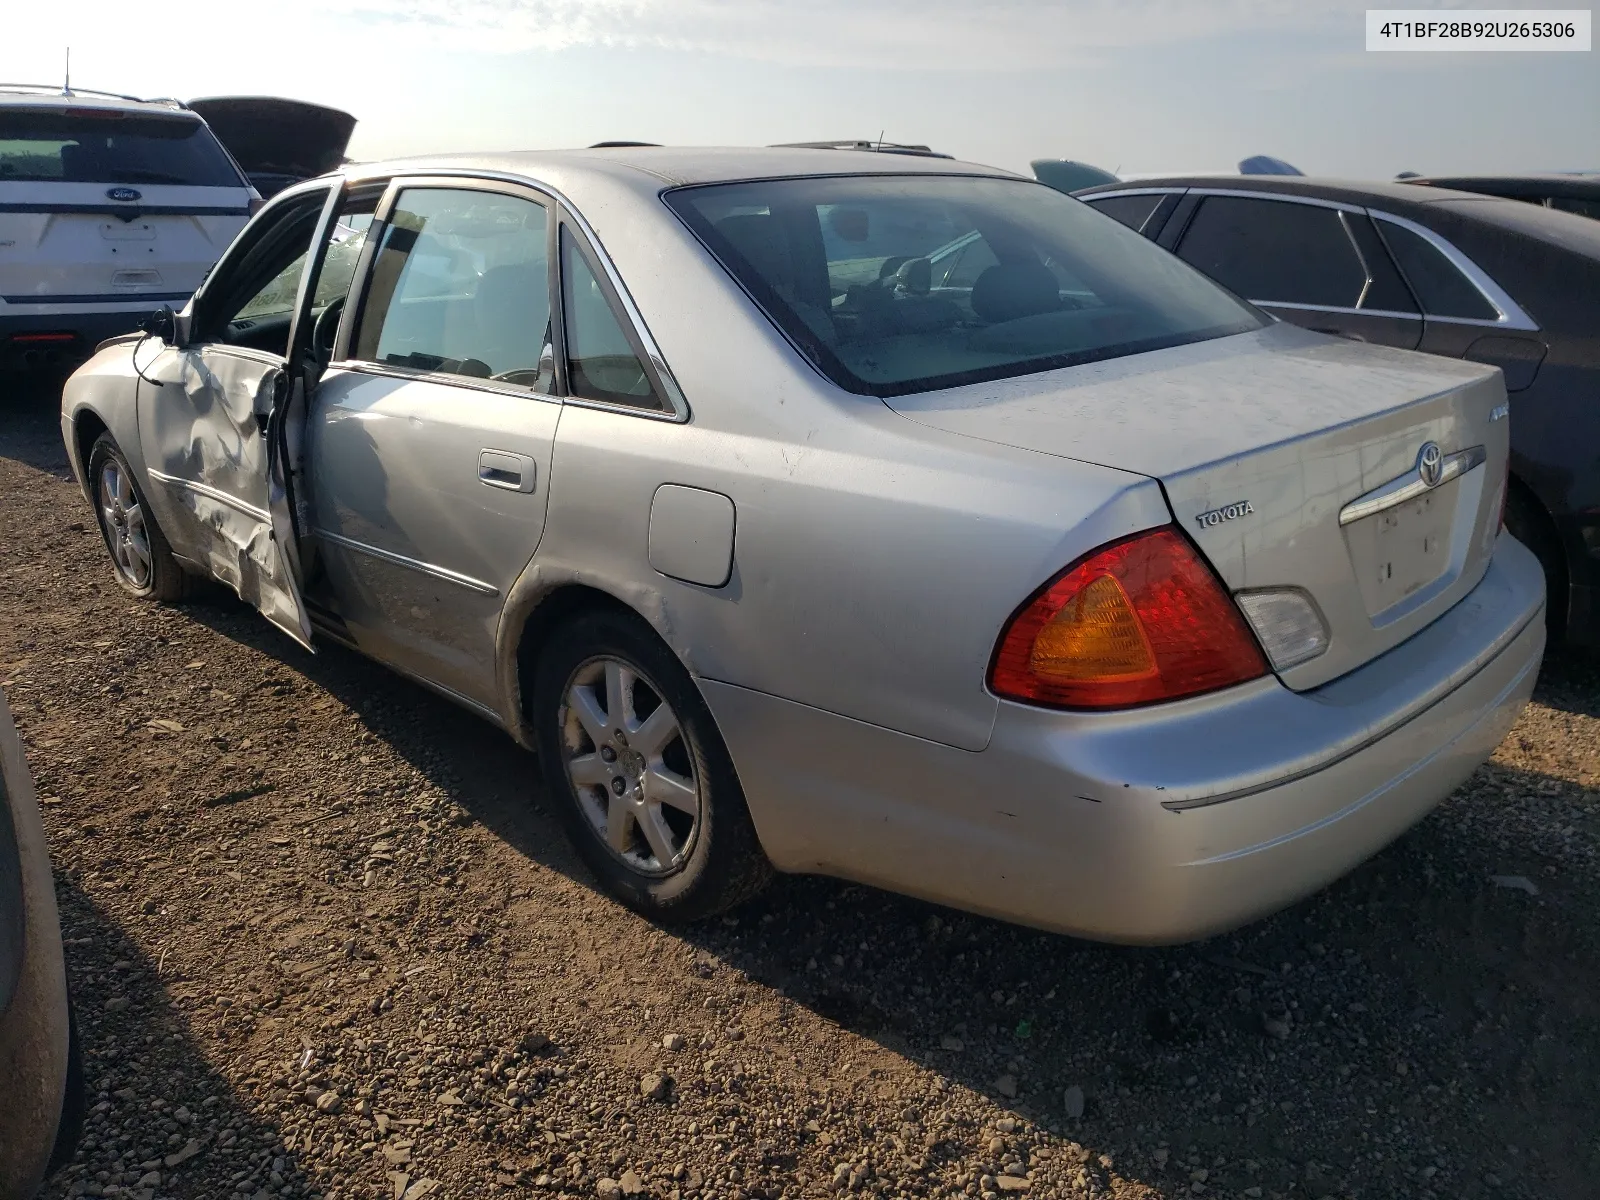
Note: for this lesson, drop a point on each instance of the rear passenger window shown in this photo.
(460, 285)
(602, 363)
(1132, 211)
(1438, 283)
(1275, 251)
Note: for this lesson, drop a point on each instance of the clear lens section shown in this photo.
(1288, 624)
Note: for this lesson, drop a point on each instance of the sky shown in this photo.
(1134, 86)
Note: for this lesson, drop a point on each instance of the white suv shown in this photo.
(110, 207)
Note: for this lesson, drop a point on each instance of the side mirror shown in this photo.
(162, 324)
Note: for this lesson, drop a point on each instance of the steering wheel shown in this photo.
(326, 330)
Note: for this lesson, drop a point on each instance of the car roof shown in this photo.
(1543, 184)
(1573, 232)
(38, 95)
(651, 167)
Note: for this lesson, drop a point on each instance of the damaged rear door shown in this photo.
(215, 420)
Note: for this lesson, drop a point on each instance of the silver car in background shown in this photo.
(908, 522)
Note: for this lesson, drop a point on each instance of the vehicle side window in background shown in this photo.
(1386, 292)
(1132, 211)
(460, 285)
(601, 361)
(1272, 250)
(966, 264)
(1442, 288)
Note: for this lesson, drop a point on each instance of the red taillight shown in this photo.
(1135, 622)
(43, 337)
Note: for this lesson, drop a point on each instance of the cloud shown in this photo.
(884, 34)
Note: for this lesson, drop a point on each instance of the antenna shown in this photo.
(879, 146)
(66, 86)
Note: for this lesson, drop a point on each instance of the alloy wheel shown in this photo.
(123, 519)
(630, 766)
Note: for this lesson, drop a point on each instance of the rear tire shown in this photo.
(1531, 525)
(141, 558)
(639, 774)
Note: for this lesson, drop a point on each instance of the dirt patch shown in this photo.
(325, 942)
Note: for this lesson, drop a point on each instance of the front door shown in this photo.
(430, 434)
(212, 422)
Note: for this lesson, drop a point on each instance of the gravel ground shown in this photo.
(327, 941)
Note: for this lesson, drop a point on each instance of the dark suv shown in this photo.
(1422, 268)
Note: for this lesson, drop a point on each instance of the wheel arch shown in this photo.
(539, 603)
(1551, 551)
(86, 427)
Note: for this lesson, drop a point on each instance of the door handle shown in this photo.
(502, 469)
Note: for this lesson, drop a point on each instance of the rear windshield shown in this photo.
(110, 148)
(901, 284)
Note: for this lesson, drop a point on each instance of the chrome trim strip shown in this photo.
(415, 375)
(1511, 314)
(1134, 191)
(400, 560)
(1313, 201)
(1410, 485)
(1336, 308)
(675, 396)
(211, 493)
(1366, 269)
(1377, 735)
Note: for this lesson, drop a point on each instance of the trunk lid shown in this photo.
(273, 135)
(1292, 460)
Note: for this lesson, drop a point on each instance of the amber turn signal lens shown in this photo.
(1136, 622)
(1095, 636)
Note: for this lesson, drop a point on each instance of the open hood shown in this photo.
(272, 135)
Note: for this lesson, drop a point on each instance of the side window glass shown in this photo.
(345, 241)
(601, 361)
(1132, 211)
(1387, 292)
(276, 297)
(1442, 288)
(460, 285)
(1270, 250)
(976, 258)
(250, 297)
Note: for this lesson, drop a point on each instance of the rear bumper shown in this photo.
(1158, 825)
(60, 334)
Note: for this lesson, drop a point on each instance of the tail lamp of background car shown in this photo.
(1137, 621)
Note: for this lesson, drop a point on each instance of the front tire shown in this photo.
(639, 774)
(141, 559)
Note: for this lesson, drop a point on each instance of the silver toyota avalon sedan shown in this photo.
(895, 519)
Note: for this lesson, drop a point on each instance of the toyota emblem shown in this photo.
(1430, 463)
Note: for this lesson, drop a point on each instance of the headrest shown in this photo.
(1010, 290)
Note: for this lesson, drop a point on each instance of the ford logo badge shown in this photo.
(123, 193)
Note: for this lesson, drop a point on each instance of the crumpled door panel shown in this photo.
(205, 440)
